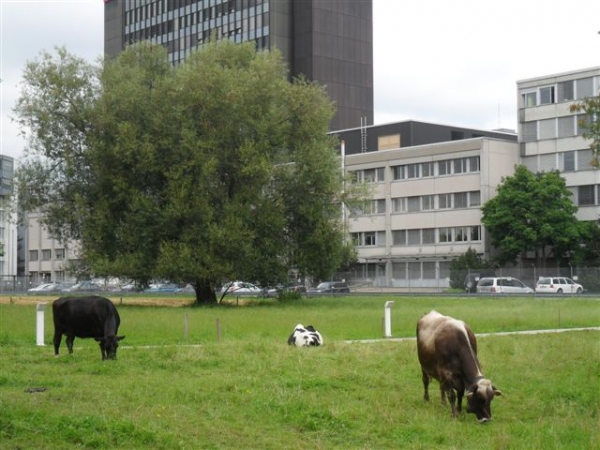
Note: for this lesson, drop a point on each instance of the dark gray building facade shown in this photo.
(410, 133)
(328, 41)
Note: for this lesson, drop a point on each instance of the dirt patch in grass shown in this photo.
(174, 301)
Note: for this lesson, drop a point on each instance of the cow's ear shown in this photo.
(496, 391)
(120, 338)
(471, 390)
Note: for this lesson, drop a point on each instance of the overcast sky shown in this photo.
(448, 62)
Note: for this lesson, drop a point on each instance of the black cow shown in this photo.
(447, 351)
(86, 317)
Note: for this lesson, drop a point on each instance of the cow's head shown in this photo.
(109, 345)
(479, 399)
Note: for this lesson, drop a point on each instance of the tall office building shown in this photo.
(329, 41)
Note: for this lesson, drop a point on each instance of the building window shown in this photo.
(399, 237)
(414, 204)
(475, 233)
(428, 236)
(529, 131)
(429, 270)
(445, 167)
(585, 88)
(370, 238)
(585, 195)
(568, 161)
(412, 171)
(460, 165)
(566, 126)
(460, 200)
(33, 255)
(388, 142)
(59, 253)
(460, 234)
(427, 169)
(46, 255)
(370, 175)
(528, 99)
(547, 95)
(474, 164)
(445, 201)
(474, 198)
(445, 234)
(547, 129)
(399, 172)
(566, 91)
(457, 135)
(428, 202)
(414, 237)
(399, 204)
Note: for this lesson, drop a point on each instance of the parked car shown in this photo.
(502, 285)
(163, 287)
(557, 285)
(241, 287)
(294, 287)
(48, 287)
(83, 286)
(333, 287)
(472, 278)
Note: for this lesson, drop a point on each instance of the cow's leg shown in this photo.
(459, 399)
(57, 339)
(452, 398)
(70, 339)
(426, 380)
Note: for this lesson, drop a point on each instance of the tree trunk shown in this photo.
(205, 293)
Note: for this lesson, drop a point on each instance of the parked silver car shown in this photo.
(557, 285)
(502, 285)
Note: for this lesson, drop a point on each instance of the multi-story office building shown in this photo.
(427, 183)
(46, 259)
(550, 135)
(330, 42)
(8, 229)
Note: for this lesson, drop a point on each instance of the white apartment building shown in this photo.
(46, 258)
(425, 207)
(550, 134)
(8, 227)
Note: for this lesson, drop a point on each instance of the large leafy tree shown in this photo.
(590, 123)
(217, 168)
(532, 212)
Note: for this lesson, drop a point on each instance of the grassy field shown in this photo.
(178, 384)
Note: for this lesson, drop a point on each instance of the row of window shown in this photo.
(556, 127)
(59, 253)
(570, 161)
(456, 200)
(588, 195)
(424, 236)
(560, 92)
(420, 170)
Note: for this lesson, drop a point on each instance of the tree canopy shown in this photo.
(590, 107)
(216, 169)
(531, 212)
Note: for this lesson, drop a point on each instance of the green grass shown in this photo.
(249, 390)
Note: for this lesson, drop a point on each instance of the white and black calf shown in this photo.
(447, 351)
(87, 317)
(305, 337)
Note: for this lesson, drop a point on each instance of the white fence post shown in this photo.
(388, 319)
(39, 324)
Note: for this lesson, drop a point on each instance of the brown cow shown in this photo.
(447, 351)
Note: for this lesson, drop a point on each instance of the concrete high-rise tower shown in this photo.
(329, 41)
